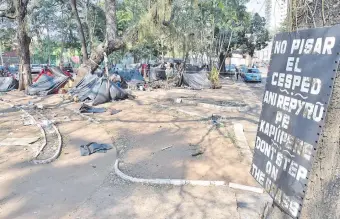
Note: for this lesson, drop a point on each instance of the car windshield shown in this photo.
(230, 66)
(35, 65)
(254, 71)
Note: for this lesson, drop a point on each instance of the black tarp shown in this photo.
(46, 84)
(8, 84)
(98, 89)
(157, 73)
(196, 78)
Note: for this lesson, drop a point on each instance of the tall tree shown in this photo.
(17, 10)
(80, 30)
(111, 42)
(258, 34)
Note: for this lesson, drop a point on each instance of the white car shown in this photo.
(35, 68)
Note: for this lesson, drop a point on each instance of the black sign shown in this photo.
(299, 85)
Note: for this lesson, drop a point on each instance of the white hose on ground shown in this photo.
(181, 182)
(44, 143)
(56, 154)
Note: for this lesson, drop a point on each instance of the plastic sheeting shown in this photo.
(98, 89)
(157, 73)
(196, 78)
(131, 77)
(8, 84)
(48, 84)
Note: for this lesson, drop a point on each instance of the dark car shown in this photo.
(231, 69)
(242, 70)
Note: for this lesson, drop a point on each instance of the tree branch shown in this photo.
(8, 15)
(25, 3)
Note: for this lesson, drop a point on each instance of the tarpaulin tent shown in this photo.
(98, 89)
(48, 83)
(8, 84)
(130, 77)
(51, 71)
(196, 78)
(157, 73)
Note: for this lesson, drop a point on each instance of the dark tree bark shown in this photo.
(221, 65)
(111, 43)
(18, 10)
(80, 30)
(25, 77)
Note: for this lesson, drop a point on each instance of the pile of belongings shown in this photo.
(97, 89)
(8, 84)
(48, 82)
(196, 78)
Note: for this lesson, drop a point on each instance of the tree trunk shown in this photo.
(80, 30)
(221, 65)
(112, 43)
(25, 78)
(61, 57)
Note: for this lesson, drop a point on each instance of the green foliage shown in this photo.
(7, 38)
(178, 28)
(124, 17)
(94, 21)
(214, 76)
(259, 35)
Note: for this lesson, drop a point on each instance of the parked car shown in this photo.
(230, 69)
(242, 69)
(252, 74)
(36, 68)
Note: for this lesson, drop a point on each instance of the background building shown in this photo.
(275, 13)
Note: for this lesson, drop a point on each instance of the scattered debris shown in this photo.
(197, 153)
(216, 121)
(46, 124)
(88, 109)
(40, 106)
(165, 148)
(115, 111)
(178, 100)
(93, 147)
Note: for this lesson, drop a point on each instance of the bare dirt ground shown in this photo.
(153, 136)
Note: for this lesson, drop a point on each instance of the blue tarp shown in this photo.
(130, 75)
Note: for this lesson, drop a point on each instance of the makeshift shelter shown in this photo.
(157, 73)
(48, 83)
(98, 89)
(49, 72)
(8, 84)
(196, 78)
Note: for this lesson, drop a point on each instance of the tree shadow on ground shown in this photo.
(85, 187)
